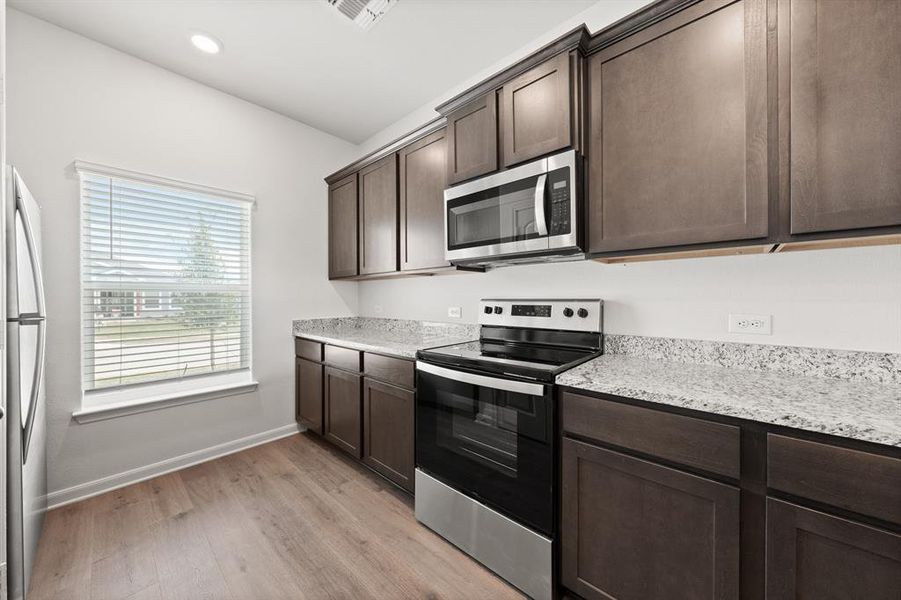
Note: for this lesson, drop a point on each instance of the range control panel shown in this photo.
(571, 315)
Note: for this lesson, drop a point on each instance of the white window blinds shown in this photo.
(165, 280)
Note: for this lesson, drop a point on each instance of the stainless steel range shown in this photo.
(485, 427)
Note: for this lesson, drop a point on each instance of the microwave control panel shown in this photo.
(559, 184)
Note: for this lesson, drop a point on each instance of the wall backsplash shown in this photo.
(844, 299)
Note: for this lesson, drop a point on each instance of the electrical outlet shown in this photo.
(757, 324)
(377, 309)
(454, 312)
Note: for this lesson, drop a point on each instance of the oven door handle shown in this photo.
(507, 385)
(540, 218)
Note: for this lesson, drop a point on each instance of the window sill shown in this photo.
(101, 412)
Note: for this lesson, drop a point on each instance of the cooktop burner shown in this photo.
(529, 339)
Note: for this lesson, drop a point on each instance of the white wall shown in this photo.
(847, 299)
(595, 17)
(71, 98)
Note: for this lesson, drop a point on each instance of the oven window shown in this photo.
(486, 435)
(502, 214)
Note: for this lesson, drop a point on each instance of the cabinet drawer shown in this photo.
(865, 483)
(391, 370)
(343, 358)
(705, 445)
(308, 349)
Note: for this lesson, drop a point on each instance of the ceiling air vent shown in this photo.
(364, 13)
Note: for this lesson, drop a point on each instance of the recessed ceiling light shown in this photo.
(206, 43)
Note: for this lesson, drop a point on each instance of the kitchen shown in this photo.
(607, 299)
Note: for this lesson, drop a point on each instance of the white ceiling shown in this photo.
(304, 60)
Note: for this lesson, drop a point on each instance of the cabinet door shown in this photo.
(342, 228)
(537, 111)
(378, 217)
(814, 555)
(388, 431)
(678, 131)
(308, 394)
(423, 177)
(634, 530)
(845, 114)
(472, 139)
(342, 410)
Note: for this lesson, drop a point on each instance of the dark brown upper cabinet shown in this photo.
(678, 131)
(635, 529)
(378, 216)
(811, 554)
(845, 85)
(472, 139)
(342, 228)
(536, 115)
(423, 177)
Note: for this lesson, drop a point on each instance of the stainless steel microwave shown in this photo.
(524, 214)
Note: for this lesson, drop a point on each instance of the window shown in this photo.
(165, 271)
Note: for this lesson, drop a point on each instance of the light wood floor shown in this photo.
(289, 519)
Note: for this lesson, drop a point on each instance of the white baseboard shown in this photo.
(113, 482)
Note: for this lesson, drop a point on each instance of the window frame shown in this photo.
(108, 402)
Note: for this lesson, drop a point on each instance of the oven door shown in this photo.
(490, 438)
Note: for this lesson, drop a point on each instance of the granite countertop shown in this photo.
(860, 410)
(394, 337)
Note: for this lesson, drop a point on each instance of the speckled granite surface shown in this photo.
(855, 409)
(396, 337)
(875, 367)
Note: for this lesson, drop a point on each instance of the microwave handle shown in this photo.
(540, 219)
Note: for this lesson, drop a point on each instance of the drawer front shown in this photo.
(343, 358)
(705, 445)
(390, 370)
(308, 349)
(865, 483)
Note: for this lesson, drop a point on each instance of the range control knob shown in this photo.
(487, 310)
(567, 312)
(498, 310)
(583, 312)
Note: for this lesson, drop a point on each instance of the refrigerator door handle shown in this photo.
(35, 384)
(32, 255)
(33, 319)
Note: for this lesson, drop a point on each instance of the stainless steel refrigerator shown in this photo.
(23, 398)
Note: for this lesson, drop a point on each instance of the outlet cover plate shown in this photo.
(755, 324)
(454, 312)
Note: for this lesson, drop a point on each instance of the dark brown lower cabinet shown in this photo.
(635, 530)
(308, 393)
(388, 431)
(814, 555)
(342, 410)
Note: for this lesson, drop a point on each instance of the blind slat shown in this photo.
(165, 282)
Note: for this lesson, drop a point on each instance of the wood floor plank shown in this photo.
(340, 529)
(387, 514)
(149, 593)
(250, 566)
(185, 562)
(122, 519)
(62, 567)
(293, 519)
(298, 542)
(124, 573)
(168, 496)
